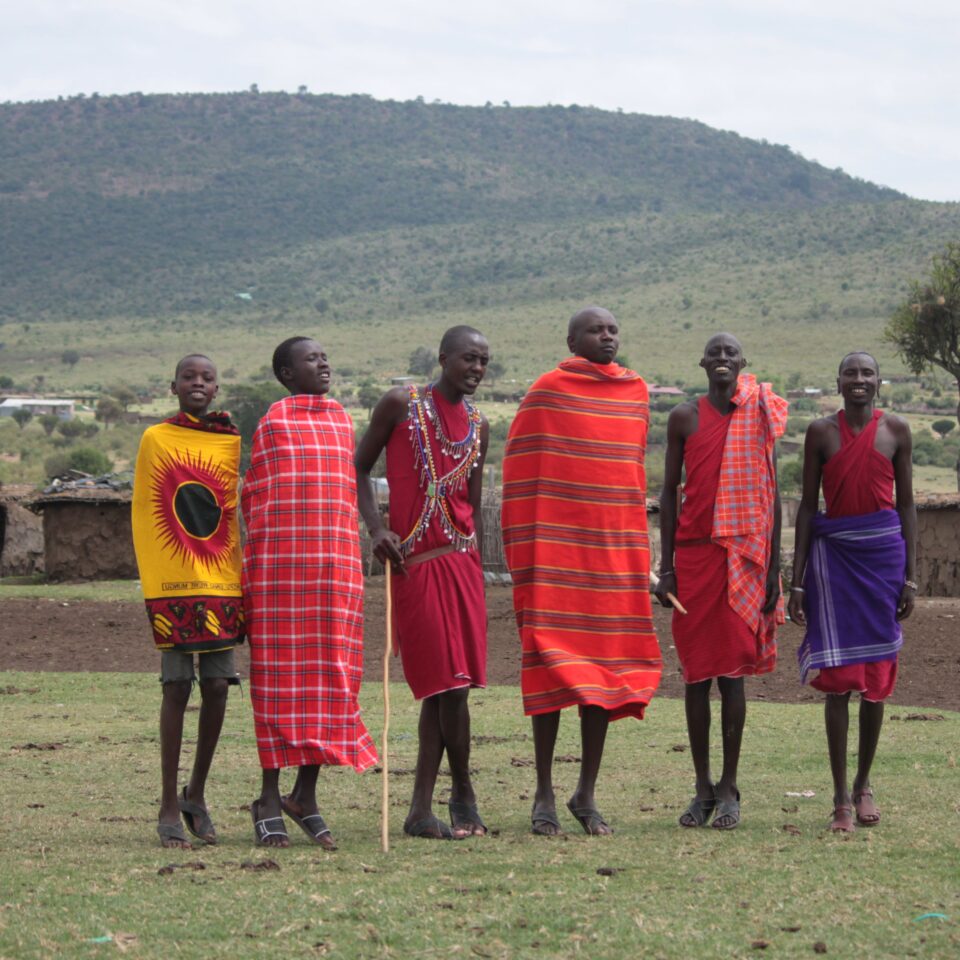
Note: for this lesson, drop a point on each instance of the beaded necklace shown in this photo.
(435, 486)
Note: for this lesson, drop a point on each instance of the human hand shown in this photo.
(772, 590)
(667, 584)
(905, 603)
(795, 608)
(386, 548)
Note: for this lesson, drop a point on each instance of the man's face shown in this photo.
(464, 366)
(722, 359)
(596, 338)
(195, 385)
(859, 380)
(309, 371)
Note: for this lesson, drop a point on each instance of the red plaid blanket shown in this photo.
(743, 515)
(303, 587)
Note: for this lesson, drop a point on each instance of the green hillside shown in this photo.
(135, 228)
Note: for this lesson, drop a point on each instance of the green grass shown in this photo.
(85, 864)
(39, 588)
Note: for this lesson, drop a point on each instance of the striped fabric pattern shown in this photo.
(743, 515)
(575, 539)
(303, 588)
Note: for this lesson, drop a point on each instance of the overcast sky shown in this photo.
(872, 86)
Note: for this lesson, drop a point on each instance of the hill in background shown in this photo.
(136, 228)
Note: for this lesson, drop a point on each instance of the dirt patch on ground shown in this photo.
(83, 635)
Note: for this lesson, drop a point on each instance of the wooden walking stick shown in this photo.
(655, 582)
(384, 757)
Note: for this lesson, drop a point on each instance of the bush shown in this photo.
(86, 459)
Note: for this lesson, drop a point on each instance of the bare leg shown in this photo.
(268, 804)
(697, 705)
(871, 720)
(593, 734)
(733, 715)
(545, 727)
(429, 755)
(454, 715)
(836, 715)
(213, 707)
(174, 703)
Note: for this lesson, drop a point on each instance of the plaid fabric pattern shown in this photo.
(743, 515)
(303, 588)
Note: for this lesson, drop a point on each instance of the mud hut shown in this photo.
(87, 534)
(21, 533)
(938, 545)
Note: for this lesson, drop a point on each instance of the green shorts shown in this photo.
(177, 665)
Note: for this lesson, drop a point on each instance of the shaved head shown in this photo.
(725, 338)
(582, 317)
(858, 353)
(451, 339)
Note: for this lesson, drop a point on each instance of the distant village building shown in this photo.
(657, 391)
(805, 393)
(38, 406)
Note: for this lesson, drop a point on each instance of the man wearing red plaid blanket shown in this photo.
(303, 594)
(720, 558)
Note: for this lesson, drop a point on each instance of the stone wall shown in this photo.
(88, 540)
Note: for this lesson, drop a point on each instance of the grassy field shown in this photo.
(84, 876)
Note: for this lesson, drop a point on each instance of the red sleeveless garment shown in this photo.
(440, 614)
(857, 480)
(712, 640)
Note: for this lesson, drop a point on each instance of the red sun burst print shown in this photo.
(189, 507)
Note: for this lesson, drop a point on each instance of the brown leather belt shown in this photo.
(429, 555)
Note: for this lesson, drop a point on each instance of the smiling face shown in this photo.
(195, 385)
(308, 370)
(594, 334)
(465, 362)
(859, 379)
(722, 359)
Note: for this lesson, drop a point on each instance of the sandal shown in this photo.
(173, 831)
(698, 813)
(539, 819)
(842, 819)
(197, 819)
(867, 813)
(313, 825)
(591, 820)
(429, 828)
(465, 816)
(267, 827)
(728, 811)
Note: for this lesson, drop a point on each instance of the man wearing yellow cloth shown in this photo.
(186, 537)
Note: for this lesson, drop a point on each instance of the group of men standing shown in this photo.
(576, 542)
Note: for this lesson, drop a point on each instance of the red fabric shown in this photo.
(858, 479)
(303, 587)
(440, 613)
(712, 639)
(575, 538)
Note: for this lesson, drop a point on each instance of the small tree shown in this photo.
(71, 429)
(23, 416)
(124, 395)
(925, 329)
(422, 362)
(368, 394)
(70, 357)
(49, 422)
(942, 427)
(108, 411)
(495, 370)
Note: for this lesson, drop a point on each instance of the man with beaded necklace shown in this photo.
(435, 440)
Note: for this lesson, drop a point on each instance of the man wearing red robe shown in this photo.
(436, 440)
(721, 559)
(853, 571)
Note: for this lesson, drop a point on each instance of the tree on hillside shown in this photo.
(942, 427)
(108, 411)
(70, 357)
(49, 422)
(495, 370)
(368, 394)
(247, 403)
(23, 416)
(71, 429)
(422, 362)
(925, 329)
(124, 395)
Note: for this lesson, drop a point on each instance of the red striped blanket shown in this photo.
(303, 587)
(575, 537)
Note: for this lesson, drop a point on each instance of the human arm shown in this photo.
(809, 501)
(475, 484)
(390, 410)
(773, 567)
(903, 480)
(679, 425)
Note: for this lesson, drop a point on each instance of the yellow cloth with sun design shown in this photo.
(186, 533)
